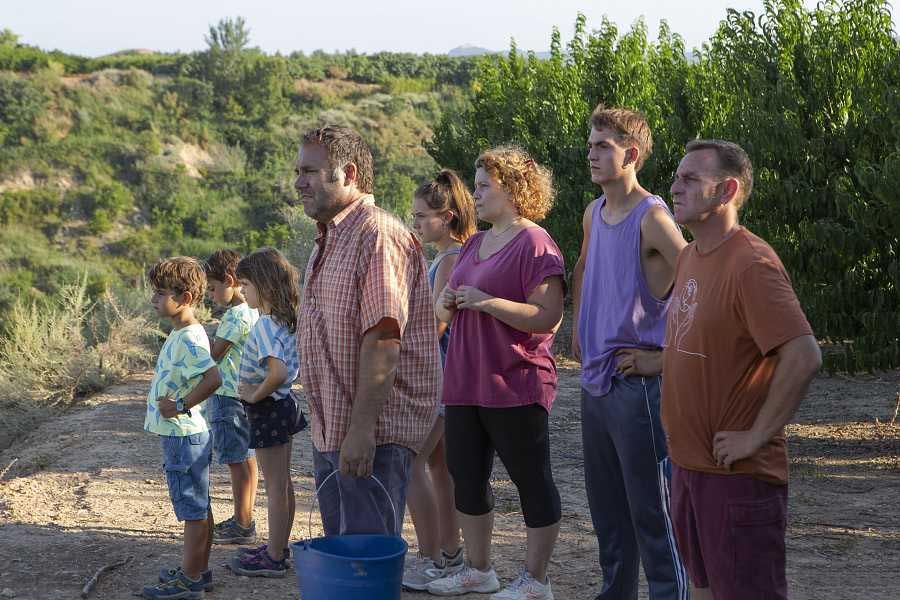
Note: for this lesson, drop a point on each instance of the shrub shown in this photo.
(57, 350)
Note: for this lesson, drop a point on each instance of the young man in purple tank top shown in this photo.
(621, 286)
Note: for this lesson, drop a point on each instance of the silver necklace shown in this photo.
(505, 229)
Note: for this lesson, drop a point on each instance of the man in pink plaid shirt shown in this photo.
(369, 361)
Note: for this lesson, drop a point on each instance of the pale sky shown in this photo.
(97, 27)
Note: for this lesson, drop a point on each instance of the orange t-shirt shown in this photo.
(731, 309)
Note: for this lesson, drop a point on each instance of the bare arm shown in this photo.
(659, 232)
(441, 277)
(578, 277)
(219, 348)
(541, 313)
(380, 350)
(445, 305)
(207, 385)
(276, 375)
(798, 362)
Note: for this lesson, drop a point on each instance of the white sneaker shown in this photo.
(466, 581)
(525, 587)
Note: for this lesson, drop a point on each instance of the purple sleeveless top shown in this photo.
(617, 309)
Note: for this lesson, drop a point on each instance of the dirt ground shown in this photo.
(87, 490)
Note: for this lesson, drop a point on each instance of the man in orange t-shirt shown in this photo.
(738, 359)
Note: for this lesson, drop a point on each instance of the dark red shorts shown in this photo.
(730, 532)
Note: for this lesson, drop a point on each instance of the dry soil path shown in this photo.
(88, 490)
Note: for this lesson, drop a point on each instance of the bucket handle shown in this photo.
(324, 481)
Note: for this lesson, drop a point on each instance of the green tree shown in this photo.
(8, 38)
(21, 102)
(814, 105)
(229, 36)
(809, 93)
(247, 85)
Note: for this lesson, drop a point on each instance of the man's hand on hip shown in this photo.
(732, 446)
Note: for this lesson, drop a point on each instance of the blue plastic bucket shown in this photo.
(350, 567)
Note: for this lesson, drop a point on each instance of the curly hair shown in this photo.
(530, 185)
(448, 192)
(222, 263)
(179, 274)
(277, 282)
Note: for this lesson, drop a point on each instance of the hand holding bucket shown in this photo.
(353, 566)
(316, 501)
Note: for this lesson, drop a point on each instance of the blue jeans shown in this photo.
(358, 505)
(186, 462)
(230, 429)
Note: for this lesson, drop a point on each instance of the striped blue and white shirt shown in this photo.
(269, 338)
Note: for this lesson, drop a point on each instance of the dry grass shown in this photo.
(56, 351)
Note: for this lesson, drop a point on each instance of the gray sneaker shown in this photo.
(229, 532)
(453, 563)
(170, 574)
(419, 570)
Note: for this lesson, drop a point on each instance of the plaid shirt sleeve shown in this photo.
(386, 282)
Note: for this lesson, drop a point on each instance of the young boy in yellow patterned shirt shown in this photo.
(185, 376)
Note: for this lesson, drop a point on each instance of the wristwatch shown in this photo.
(179, 406)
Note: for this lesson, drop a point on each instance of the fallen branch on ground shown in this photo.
(10, 465)
(89, 586)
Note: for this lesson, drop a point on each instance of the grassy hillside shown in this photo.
(106, 171)
(108, 164)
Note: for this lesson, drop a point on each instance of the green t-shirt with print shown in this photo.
(235, 327)
(183, 360)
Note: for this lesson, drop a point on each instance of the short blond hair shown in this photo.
(630, 126)
(179, 274)
(530, 185)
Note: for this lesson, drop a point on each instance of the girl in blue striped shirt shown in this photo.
(269, 365)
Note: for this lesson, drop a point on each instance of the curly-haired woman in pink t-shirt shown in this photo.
(504, 301)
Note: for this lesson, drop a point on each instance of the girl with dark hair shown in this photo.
(269, 365)
(443, 216)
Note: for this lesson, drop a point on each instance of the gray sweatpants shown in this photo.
(626, 472)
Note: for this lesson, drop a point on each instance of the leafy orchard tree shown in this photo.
(811, 95)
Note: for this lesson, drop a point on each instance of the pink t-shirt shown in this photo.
(490, 363)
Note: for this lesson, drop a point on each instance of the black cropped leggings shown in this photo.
(520, 435)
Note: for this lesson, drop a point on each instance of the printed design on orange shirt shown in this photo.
(681, 317)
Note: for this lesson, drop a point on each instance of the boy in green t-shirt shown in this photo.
(185, 376)
(228, 420)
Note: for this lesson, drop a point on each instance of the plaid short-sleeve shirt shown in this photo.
(367, 267)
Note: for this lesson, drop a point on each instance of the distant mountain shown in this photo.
(470, 50)
(130, 52)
